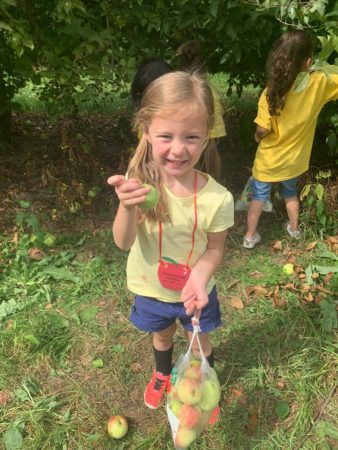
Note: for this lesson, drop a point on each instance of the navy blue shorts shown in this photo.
(150, 314)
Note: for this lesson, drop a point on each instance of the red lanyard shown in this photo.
(193, 231)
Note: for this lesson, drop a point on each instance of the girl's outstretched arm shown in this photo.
(194, 294)
(130, 193)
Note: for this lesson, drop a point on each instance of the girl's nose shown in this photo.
(178, 147)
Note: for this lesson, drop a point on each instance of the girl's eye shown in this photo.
(164, 136)
(193, 138)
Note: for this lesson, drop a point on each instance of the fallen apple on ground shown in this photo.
(288, 269)
(151, 198)
(117, 427)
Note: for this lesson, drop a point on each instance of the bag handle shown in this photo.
(197, 329)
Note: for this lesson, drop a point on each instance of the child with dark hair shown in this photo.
(286, 120)
(148, 71)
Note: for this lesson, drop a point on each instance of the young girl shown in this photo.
(286, 122)
(176, 247)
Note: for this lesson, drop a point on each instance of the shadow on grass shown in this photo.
(258, 367)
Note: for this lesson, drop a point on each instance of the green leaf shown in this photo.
(24, 204)
(325, 269)
(118, 348)
(319, 189)
(8, 308)
(326, 429)
(214, 7)
(331, 141)
(33, 221)
(308, 272)
(5, 26)
(60, 274)
(13, 439)
(319, 208)
(58, 321)
(282, 409)
(21, 395)
(329, 255)
(305, 191)
(88, 314)
(301, 82)
(97, 363)
(170, 260)
(28, 43)
(31, 338)
(329, 319)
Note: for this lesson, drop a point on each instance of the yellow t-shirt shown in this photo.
(218, 129)
(285, 152)
(215, 212)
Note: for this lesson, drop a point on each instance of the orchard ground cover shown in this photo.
(69, 358)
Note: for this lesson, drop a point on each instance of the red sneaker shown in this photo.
(155, 389)
(214, 416)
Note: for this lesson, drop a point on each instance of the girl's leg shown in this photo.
(163, 340)
(163, 343)
(292, 208)
(254, 213)
(160, 381)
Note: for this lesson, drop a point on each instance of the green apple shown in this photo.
(151, 198)
(117, 427)
(184, 437)
(288, 269)
(94, 191)
(49, 239)
(175, 406)
(211, 394)
(189, 391)
(193, 372)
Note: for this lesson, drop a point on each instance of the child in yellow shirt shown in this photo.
(286, 121)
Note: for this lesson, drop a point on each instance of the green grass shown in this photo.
(276, 365)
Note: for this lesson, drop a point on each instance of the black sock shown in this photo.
(210, 358)
(163, 360)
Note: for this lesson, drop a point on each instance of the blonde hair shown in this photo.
(167, 96)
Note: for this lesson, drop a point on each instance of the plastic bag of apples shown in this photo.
(195, 392)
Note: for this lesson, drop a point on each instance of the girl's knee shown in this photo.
(166, 334)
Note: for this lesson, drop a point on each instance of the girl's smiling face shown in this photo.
(178, 141)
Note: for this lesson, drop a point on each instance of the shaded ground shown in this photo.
(53, 166)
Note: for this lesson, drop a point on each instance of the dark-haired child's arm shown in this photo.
(194, 294)
(260, 133)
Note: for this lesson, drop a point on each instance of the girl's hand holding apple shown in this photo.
(131, 192)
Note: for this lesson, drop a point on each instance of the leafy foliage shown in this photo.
(318, 212)
(75, 45)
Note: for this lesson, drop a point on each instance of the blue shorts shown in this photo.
(150, 314)
(261, 189)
